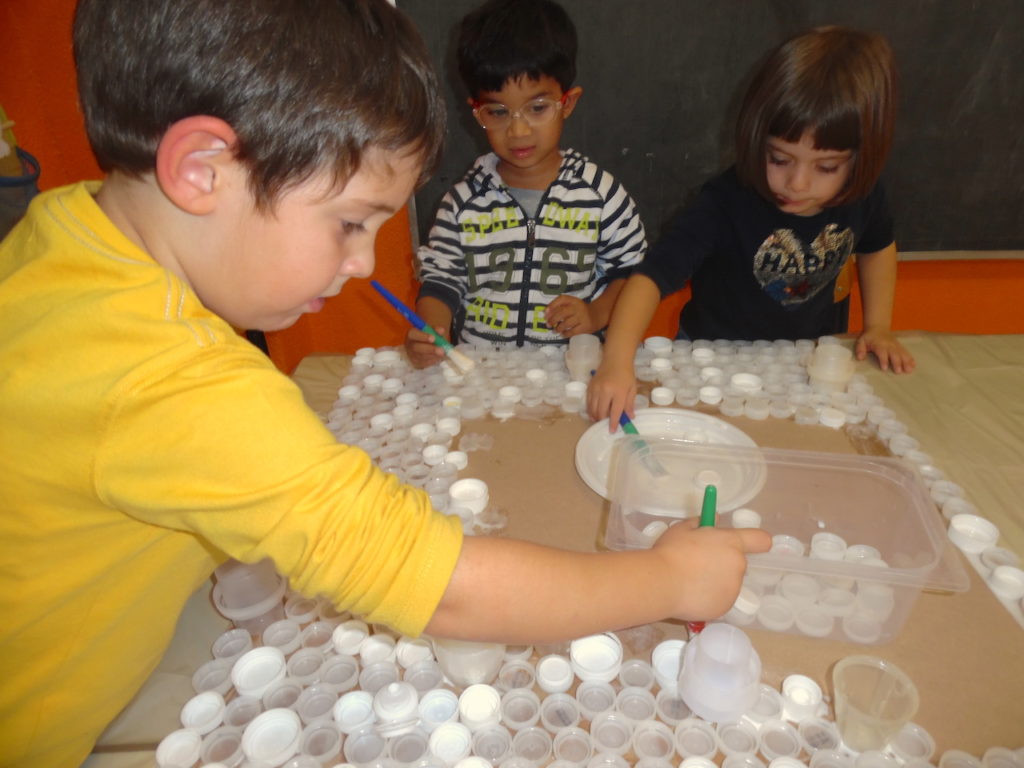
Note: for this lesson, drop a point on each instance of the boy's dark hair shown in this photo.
(504, 40)
(837, 83)
(307, 85)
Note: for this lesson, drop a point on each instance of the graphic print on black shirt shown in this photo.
(790, 273)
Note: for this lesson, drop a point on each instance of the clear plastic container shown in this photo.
(861, 500)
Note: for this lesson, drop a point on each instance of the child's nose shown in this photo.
(518, 126)
(358, 262)
(799, 179)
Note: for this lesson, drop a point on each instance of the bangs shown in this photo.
(833, 126)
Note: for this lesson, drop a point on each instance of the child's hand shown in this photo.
(887, 348)
(612, 390)
(705, 566)
(420, 347)
(569, 316)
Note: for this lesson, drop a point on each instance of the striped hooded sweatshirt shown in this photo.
(497, 269)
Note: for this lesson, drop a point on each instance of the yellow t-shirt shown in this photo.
(143, 442)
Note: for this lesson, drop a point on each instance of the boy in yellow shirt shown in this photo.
(252, 149)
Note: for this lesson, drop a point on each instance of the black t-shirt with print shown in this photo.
(759, 273)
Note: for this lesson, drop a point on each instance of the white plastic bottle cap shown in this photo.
(520, 708)
(597, 657)
(493, 743)
(300, 609)
(710, 395)
(458, 459)
(396, 708)
(695, 738)
(662, 396)
(812, 621)
(832, 417)
(737, 738)
(214, 675)
(364, 747)
(203, 712)
(479, 706)
(757, 408)
(348, 637)
(232, 644)
(317, 635)
(913, 742)
(179, 749)
(375, 676)
(826, 545)
(511, 392)
(594, 697)
(241, 710)
(801, 698)
(554, 673)
(450, 742)
(874, 758)
(450, 425)
(612, 732)
(787, 761)
(272, 737)
(377, 647)
(409, 748)
(316, 704)
(284, 634)
(1007, 582)
(767, 705)
(784, 544)
(779, 739)
(471, 493)
(745, 518)
(434, 454)
(831, 758)
(862, 627)
(747, 383)
(1001, 757)
(799, 588)
(653, 741)
(558, 711)
(817, 733)
(257, 670)
(636, 703)
(572, 747)
(304, 665)
(354, 710)
(517, 673)
(667, 659)
(339, 672)
(283, 693)
(436, 707)
(671, 707)
(636, 673)
(957, 506)
(533, 744)
(776, 613)
(958, 758)
(972, 533)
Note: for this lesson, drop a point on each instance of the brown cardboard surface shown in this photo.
(964, 651)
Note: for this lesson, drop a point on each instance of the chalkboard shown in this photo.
(662, 80)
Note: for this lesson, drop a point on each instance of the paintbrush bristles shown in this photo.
(463, 362)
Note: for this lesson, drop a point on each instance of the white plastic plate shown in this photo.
(594, 448)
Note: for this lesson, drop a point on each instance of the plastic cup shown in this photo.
(874, 699)
(721, 673)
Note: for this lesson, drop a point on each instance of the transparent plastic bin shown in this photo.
(876, 501)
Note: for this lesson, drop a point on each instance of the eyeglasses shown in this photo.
(536, 112)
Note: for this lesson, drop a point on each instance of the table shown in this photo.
(964, 651)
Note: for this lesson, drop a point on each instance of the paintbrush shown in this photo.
(461, 362)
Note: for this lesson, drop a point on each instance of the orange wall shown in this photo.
(37, 90)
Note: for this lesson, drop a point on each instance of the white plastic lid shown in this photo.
(972, 533)
(203, 712)
(597, 657)
(559, 711)
(745, 518)
(826, 545)
(667, 659)
(636, 673)
(471, 493)
(801, 697)
(799, 588)
(776, 613)
(517, 673)
(1007, 581)
(340, 672)
(767, 706)
(458, 459)
(737, 738)
(710, 395)
(354, 710)
(272, 737)
(832, 417)
(395, 702)
(214, 675)
(479, 705)
(520, 708)
(817, 733)
(813, 621)
(695, 738)
(662, 396)
(913, 742)
(554, 673)
(861, 627)
(377, 647)
(779, 739)
(612, 732)
(595, 697)
(437, 706)
(179, 749)
(348, 637)
(257, 670)
(451, 742)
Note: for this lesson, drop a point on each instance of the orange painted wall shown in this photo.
(37, 89)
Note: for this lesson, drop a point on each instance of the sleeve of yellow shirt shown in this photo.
(223, 447)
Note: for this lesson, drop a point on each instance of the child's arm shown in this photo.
(419, 345)
(877, 274)
(613, 388)
(570, 316)
(518, 592)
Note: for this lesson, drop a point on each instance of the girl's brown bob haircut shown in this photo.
(837, 83)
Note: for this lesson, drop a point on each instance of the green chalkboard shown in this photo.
(662, 79)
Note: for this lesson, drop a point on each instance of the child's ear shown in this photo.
(192, 159)
(571, 97)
